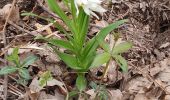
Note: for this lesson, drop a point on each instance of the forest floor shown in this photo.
(148, 76)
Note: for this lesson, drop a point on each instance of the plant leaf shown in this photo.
(61, 43)
(105, 46)
(94, 42)
(8, 70)
(55, 7)
(73, 93)
(46, 76)
(81, 82)
(14, 56)
(122, 62)
(24, 73)
(73, 10)
(29, 60)
(105, 31)
(35, 15)
(100, 59)
(83, 27)
(121, 48)
(70, 60)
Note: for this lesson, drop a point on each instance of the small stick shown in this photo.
(33, 33)
(5, 43)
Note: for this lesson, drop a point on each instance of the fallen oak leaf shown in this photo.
(14, 17)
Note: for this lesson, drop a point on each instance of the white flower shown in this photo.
(89, 6)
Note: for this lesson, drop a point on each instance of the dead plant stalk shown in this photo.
(5, 44)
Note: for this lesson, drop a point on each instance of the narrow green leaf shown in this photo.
(84, 29)
(55, 7)
(105, 46)
(121, 48)
(35, 15)
(91, 44)
(28, 14)
(73, 10)
(29, 60)
(100, 59)
(24, 73)
(80, 19)
(61, 43)
(81, 82)
(86, 63)
(122, 62)
(62, 29)
(86, 57)
(8, 70)
(70, 60)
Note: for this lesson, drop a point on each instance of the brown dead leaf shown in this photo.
(164, 64)
(14, 14)
(160, 55)
(26, 48)
(167, 97)
(14, 17)
(34, 86)
(45, 96)
(141, 97)
(113, 75)
(164, 75)
(97, 26)
(48, 53)
(164, 45)
(56, 82)
(138, 84)
(155, 70)
(55, 69)
(116, 94)
(92, 94)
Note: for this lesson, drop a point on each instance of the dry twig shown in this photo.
(5, 43)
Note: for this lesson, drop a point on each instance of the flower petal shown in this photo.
(89, 6)
(86, 10)
(97, 8)
(92, 13)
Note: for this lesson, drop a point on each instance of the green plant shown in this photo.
(18, 66)
(82, 53)
(113, 53)
(46, 76)
(100, 90)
